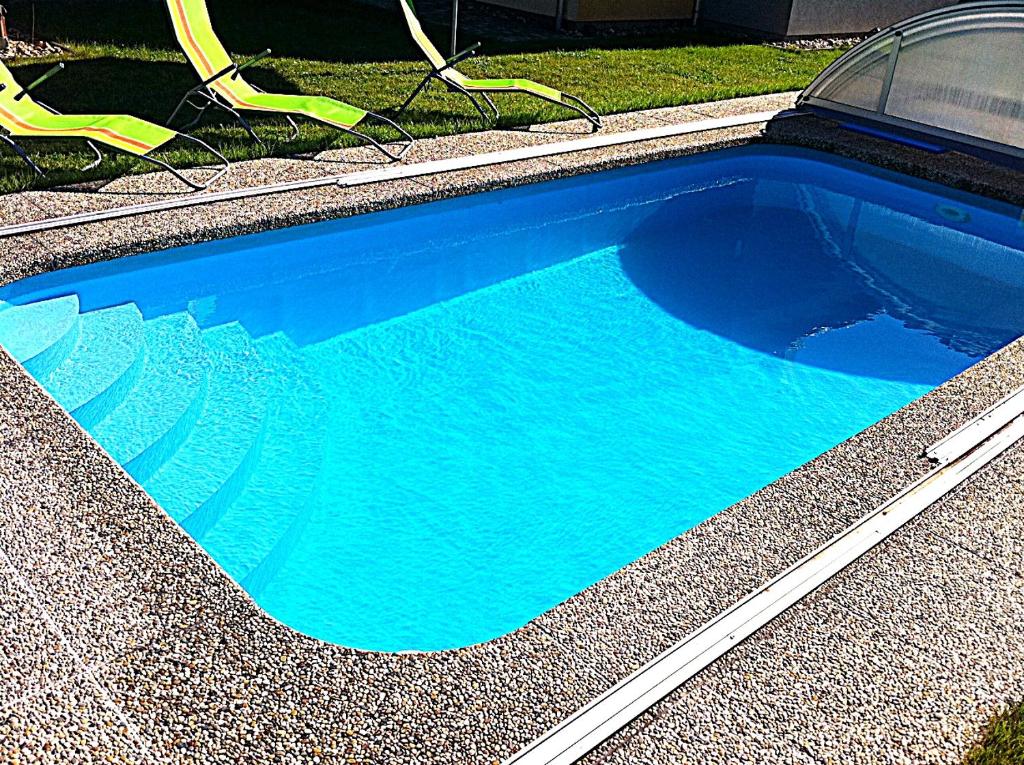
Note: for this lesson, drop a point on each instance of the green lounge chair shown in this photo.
(222, 86)
(23, 117)
(442, 69)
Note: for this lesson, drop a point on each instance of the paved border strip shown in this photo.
(562, 147)
(414, 170)
(620, 705)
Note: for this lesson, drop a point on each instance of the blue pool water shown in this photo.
(420, 429)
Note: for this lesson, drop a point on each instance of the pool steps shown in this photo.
(211, 464)
(154, 392)
(97, 373)
(263, 573)
(173, 377)
(144, 465)
(44, 333)
(278, 492)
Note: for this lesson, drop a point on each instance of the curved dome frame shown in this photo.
(955, 74)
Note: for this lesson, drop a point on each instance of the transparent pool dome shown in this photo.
(956, 74)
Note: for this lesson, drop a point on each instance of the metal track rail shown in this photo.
(981, 427)
(966, 452)
(394, 172)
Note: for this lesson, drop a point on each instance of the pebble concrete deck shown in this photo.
(123, 642)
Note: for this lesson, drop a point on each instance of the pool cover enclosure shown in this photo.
(956, 74)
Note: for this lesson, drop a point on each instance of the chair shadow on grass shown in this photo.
(146, 89)
(151, 90)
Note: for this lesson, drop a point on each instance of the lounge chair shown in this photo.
(443, 70)
(23, 117)
(223, 88)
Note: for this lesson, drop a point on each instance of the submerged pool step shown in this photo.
(102, 366)
(40, 335)
(253, 536)
(160, 410)
(262, 574)
(213, 463)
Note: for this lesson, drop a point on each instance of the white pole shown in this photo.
(455, 27)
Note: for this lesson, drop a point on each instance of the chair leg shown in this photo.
(200, 109)
(585, 109)
(488, 119)
(186, 99)
(224, 165)
(295, 129)
(200, 113)
(211, 101)
(467, 94)
(21, 153)
(95, 163)
(242, 121)
(408, 139)
(419, 89)
(494, 108)
(236, 114)
(578, 105)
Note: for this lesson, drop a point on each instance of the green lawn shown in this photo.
(1004, 741)
(123, 58)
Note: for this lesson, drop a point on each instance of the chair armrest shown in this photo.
(214, 78)
(47, 75)
(250, 62)
(461, 56)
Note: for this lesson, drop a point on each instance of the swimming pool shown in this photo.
(420, 429)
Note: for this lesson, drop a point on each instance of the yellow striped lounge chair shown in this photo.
(223, 87)
(23, 117)
(443, 70)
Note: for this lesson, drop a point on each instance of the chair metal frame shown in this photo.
(210, 98)
(437, 73)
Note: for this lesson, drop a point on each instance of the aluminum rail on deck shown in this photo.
(981, 427)
(964, 452)
(395, 172)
